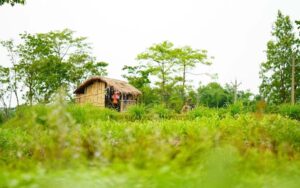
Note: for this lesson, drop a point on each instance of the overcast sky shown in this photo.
(235, 32)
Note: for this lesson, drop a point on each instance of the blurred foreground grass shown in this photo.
(81, 146)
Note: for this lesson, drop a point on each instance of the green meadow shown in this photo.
(65, 145)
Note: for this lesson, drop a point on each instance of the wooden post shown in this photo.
(122, 102)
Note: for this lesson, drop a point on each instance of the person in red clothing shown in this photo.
(115, 98)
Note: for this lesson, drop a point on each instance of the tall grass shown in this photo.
(64, 145)
(292, 111)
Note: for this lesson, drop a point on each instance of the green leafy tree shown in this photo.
(214, 95)
(246, 97)
(160, 59)
(48, 61)
(276, 71)
(14, 76)
(12, 2)
(5, 94)
(187, 59)
(139, 76)
(167, 66)
(297, 64)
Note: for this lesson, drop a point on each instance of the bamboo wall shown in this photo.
(93, 94)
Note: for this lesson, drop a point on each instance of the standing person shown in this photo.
(115, 99)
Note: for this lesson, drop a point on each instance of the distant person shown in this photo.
(115, 99)
(186, 107)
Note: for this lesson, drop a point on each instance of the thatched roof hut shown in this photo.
(98, 90)
(119, 85)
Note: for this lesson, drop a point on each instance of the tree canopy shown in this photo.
(166, 66)
(12, 2)
(45, 62)
(276, 72)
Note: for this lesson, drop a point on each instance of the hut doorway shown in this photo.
(117, 100)
(113, 98)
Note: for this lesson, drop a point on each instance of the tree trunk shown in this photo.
(183, 82)
(17, 97)
(163, 83)
(30, 95)
(293, 82)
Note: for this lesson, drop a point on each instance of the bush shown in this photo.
(162, 112)
(6, 115)
(1, 118)
(43, 146)
(85, 113)
(137, 112)
(236, 108)
(202, 111)
(291, 111)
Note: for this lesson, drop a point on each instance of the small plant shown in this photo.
(202, 111)
(137, 112)
(292, 111)
(236, 108)
(162, 112)
(85, 113)
(1, 118)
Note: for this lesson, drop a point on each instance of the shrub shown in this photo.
(272, 109)
(85, 113)
(137, 112)
(1, 118)
(291, 111)
(162, 112)
(6, 114)
(43, 146)
(202, 111)
(236, 108)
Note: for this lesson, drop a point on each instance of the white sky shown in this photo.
(235, 32)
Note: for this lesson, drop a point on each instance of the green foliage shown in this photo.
(12, 2)
(236, 108)
(66, 57)
(138, 76)
(137, 112)
(160, 60)
(86, 113)
(13, 73)
(276, 71)
(292, 111)
(187, 58)
(2, 118)
(162, 112)
(169, 66)
(214, 95)
(4, 89)
(202, 111)
(62, 145)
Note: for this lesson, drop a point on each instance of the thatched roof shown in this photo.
(119, 85)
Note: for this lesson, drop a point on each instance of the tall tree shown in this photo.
(139, 76)
(14, 76)
(214, 95)
(53, 60)
(160, 59)
(5, 94)
(48, 61)
(296, 67)
(276, 71)
(188, 58)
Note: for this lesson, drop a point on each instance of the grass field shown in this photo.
(71, 146)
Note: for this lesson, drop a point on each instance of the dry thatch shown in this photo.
(119, 85)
